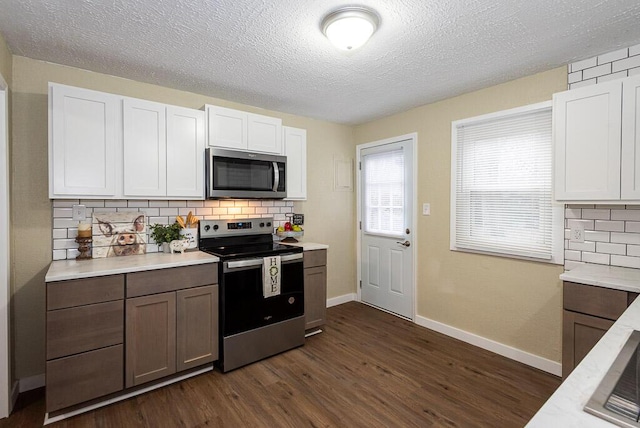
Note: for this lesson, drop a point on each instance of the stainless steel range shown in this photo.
(254, 325)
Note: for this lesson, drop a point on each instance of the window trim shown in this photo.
(557, 223)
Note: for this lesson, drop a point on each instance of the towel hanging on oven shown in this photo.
(271, 276)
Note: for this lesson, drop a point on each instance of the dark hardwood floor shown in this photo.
(367, 369)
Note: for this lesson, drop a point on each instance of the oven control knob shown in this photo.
(292, 300)
(215, 227)
(261, 224)
(207, 227)
(268, 224)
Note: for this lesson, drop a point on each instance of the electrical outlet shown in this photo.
(426, 209)
(79, 212)
(577, 233)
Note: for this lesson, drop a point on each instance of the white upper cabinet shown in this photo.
(295, 149)
(631, 139)
(239, 130)
(144, 148)
(83, 142)
(587, 137)
(185, 152)
(111, 147)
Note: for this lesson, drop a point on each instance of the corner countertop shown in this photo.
(307, 246)
(617, 278)
(565, 407)
(62, 270)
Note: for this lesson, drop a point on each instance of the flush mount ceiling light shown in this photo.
(350, 27)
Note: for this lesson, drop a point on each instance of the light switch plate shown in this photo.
(79, 212)
(426, 209)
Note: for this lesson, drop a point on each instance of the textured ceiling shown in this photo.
(271, 54)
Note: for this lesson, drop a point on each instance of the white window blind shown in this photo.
(502, 192)
(384, 192)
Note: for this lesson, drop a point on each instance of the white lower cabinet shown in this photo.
(295, 149)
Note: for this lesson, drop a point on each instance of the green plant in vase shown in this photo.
(163, 234)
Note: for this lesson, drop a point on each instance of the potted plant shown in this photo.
(162, 234)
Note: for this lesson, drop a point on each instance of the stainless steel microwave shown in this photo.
(244, 175)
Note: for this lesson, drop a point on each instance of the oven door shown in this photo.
(243, 307)
(234, 174)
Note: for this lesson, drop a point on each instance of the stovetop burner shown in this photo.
(241, 238)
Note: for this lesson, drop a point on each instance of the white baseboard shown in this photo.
(335, 301)
(532, 360)
(31, 382)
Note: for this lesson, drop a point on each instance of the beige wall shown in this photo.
(5, 61)
(329, 215)
(517, 303)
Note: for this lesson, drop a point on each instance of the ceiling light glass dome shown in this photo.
(349, 28)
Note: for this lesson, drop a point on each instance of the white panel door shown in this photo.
(630, 184)
(386, 192)
(185, 152)
(264, 134)
(295, 149)
(144, 148)
(586, 129)
(227, 127)
(82, 142)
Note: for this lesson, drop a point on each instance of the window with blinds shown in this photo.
(384, 192)
(502, 200)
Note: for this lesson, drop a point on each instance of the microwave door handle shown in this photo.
(276, 176)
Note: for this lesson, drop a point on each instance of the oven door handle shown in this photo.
(239, 264)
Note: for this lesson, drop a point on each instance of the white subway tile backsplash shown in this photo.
(627, 63)
(634, 50)
(169, 211)
(62, 212)
(203, 211)
(633, 250)
(255, 203)
(609, 248)
(572, 255)
(63, 244)
(241, 203)
(632, 226)
(72, 253)
(625, 261)
(598, 236)
(138, 204)
(210, 203)
(607, 78)
(585, 63)
(625, 238)
(575, 77)
(629, 214)
(570, 264)
(598, 71)
(59, 254)
(177, 204)
(152, 212)
(65, 203)
(586, 224)
(583, 246)
(62, 223)
(92, 203)
(60, 234)
(267, 203)
(596, 214)
(227, 204)
(159, 204)
(601, 259)
(581, 206)
(248, 210)
(572, 213)
(115, 203)
(583, 83)
(613, 56)
(262, 210)
(234, 210)
(611, 226)
(633, 71)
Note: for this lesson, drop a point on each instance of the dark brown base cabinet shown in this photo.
(589, 311)
(315, 288)
(104, 336)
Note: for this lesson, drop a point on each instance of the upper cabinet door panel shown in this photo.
(227, 127)
(185, 152)
(144, 148)
(82, 142)
(295, 149)
(264, 133)
(587, 134)
(631, 138)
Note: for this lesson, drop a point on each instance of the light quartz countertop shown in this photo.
(307, 246)
(565, 407)
(61, 270)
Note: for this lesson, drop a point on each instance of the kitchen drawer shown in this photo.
(83, 377)
(77, 292)
(596, 301)
(315, 258)
(163, 280)
(84, 328)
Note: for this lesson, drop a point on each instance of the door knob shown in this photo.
(405, 243)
